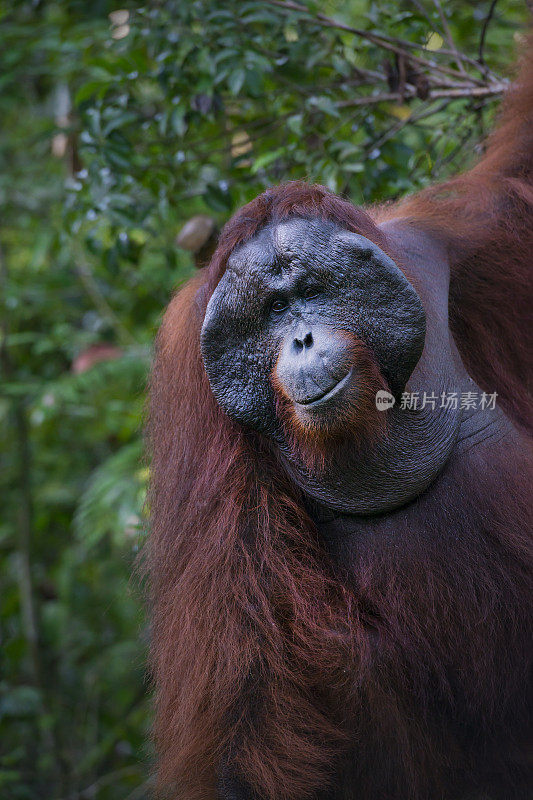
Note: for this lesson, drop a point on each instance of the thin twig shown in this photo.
(466, 59)
(411, 120)
(422, 11)
(443, 162)
(486, 23)
(90, 284)
(399, 46)
(476, 91)
(449, 37)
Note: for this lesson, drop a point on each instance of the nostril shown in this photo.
(299, 344)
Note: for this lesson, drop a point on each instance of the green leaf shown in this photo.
(236, 81)
(325, 104)
(266, 159)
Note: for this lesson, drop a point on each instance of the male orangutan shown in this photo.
(342, 592)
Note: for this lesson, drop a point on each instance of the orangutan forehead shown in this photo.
(284, 248)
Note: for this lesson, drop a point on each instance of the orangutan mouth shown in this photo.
(323, 398)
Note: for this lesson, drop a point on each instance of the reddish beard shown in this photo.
(354, 418)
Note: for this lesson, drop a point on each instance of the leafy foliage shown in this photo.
(118, 126)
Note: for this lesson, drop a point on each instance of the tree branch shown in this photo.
(486, 23)
(398, 46)
(434, 94)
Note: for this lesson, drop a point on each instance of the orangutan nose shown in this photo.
(304, 342)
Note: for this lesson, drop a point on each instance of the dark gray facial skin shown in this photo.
(286, 297)
(281, 309)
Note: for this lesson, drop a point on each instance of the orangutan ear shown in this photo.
(392, 320)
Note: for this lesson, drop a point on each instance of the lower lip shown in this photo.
(329, 395)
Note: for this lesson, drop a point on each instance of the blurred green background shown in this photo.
(118, 124)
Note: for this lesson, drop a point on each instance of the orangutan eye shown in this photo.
(279, 305)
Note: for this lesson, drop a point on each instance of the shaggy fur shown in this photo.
(392, 660)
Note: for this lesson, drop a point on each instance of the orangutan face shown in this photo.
(310, 313)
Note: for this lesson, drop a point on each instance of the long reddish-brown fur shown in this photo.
(229, 533)
(262, 653)
(486, 218)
